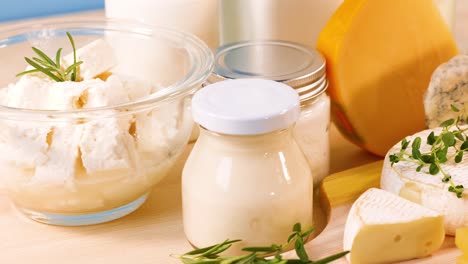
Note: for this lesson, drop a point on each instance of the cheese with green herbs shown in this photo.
(428, 190)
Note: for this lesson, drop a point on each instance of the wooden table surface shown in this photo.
(153, 232)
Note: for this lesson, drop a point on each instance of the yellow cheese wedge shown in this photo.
(463, 259)
(461, 239)
(380, 57)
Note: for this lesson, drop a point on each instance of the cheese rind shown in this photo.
(429, 190)
(380, 57)
(384, 228)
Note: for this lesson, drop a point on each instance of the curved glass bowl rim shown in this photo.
(201, 57)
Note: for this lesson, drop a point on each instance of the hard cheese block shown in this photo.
(461, 240)
(380, 57)
(428, 190)
(384, 228)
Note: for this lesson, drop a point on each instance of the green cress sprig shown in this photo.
(54, 69)
(452, 136)
(257, 255)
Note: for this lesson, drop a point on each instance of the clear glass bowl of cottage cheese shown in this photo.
(90, 150)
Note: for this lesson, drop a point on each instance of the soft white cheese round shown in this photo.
(429, 190)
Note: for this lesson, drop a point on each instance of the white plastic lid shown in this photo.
(246, 107)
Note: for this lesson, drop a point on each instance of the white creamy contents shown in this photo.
(87, 165)
(252, 188)
(384, 228)
(312, 134)
(429, 191)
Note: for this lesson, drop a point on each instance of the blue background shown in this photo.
(21, 9)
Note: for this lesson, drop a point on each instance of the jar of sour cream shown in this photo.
(246, 177)
(297, 66)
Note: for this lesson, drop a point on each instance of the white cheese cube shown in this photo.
(158, 127)
(62, 156)
(29, 92)
(136, 88)
(110, 92)
(97, 56)
(86, 94)
(22, 144)
(69, 95)
(107, 145)
(384, 228)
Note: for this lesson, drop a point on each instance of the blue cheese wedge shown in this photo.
(384, 228)
(448, 86)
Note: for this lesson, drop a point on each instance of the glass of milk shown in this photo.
(199, 17)
(291, 20)
(447, 10)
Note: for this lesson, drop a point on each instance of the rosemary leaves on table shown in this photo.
(257, 255)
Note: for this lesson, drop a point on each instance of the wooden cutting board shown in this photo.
(153, 232)
(337, 194)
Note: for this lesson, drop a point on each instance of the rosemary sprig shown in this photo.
(54, 69)
(451, 137)
(257, 255)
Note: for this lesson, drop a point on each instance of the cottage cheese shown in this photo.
(98, 57)
(91, 165)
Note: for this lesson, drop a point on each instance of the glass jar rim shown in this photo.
(200, 56)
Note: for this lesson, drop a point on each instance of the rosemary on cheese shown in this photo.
(53, 68)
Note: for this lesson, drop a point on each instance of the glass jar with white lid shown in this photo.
(301, 68)
(246, 177)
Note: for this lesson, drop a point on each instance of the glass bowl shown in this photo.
(92, 165)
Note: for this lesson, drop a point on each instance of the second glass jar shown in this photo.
(301, 68)
(246, 177)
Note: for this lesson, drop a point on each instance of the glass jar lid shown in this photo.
(298, 66)
(246, 107)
